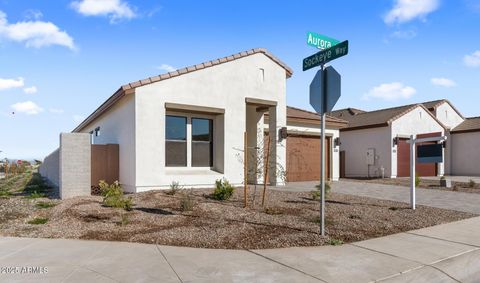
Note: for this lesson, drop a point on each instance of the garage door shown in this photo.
(303, 158)
(403, 159)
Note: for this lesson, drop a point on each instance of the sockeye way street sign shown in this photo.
(333, 90)
(320, 41)
(326, 55)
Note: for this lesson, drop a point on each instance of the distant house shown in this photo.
(375, 142)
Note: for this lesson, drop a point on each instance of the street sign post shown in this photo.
(325, 90)
(320, 41)
(324, 56)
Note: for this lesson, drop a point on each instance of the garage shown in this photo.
(403, 159)
(303, 158)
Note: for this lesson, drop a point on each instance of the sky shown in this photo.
(59, 60)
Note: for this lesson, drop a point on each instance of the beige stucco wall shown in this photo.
(417, 121)
(448, 116)
(356, 143)
(117, 126)
(224, 86)
(465, 154)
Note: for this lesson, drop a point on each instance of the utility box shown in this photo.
(371, 156)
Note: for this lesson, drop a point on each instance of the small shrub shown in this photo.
(44, 204)
(273, 211)
(124, 220)
(113, 196)
(442, 178)
(36, 195)
(417, 179)
(354, 216)
(471, 183)
(223, 190)
(316, 195)
(335, 242)
(187, 201)
(38, 221)
(174, 188)
(5, 194)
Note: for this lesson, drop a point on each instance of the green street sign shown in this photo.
(326, 55)
(321, 41)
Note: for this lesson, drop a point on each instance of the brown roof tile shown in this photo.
(469, 125)
(380, 118)
(293, 112)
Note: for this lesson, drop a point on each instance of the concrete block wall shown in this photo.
(75, 165)
(69, 167)
(50, 168)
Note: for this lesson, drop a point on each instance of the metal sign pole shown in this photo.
(412, 171)
(322, 157)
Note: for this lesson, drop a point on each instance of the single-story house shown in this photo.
(188, 126)
(375, 143)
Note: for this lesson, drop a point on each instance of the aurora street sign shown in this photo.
(326, 55)
(320, 41)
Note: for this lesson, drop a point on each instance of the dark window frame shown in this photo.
(185, 141)
(211, 140)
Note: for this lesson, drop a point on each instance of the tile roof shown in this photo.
(377, 118)
(469, 125)
(130, 87)
(293, 112)
(209, 64)
(346, 113)
(433, 104)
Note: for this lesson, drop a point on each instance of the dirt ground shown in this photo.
(290, 219)
(424, 183)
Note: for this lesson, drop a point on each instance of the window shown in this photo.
(202, 142)
(175, 141)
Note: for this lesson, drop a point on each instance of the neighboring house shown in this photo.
(465, 144)
(375, 143)
(188, 125)
(383, 135)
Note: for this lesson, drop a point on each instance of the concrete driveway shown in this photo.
(466, 202)
(444, 253)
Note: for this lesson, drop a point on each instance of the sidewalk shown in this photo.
(444, 253)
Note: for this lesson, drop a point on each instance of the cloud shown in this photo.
(443, 82)
(390, 92)
(407, 10)
(27, 107)
(116, 10)
(166, 67)
(472, 60)
(404, 34)
(32, 14)
(11, 83)
(56, 111)
(78, 118)
(34, 33)
(30, 90)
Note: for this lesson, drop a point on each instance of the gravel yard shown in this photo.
(424, 183)
(289, 219)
